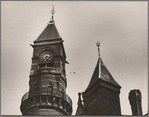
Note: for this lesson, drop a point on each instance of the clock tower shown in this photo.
(48, 82)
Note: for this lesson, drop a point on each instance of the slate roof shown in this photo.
(101, 72)
(49, 33)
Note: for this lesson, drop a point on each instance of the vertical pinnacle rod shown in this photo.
(98, 44)
(52, 11)
(52, 19)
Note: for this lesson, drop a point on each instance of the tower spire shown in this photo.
(79, 100)
(52, 12)
(98, 44)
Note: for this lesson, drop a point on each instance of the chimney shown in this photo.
(135, 102)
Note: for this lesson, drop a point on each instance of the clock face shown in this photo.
(46, 56)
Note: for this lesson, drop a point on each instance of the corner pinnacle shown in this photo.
(98, 44)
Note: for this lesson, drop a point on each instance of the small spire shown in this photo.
(52, 12)
(79, 100)
(98, 44)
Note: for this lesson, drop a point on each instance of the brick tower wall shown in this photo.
(102, 101)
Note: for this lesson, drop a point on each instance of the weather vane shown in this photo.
(52, 20)
(52, 11)
(98, 44)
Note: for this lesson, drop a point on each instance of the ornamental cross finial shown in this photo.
(52, 20)
(98, 44)
(52, 11)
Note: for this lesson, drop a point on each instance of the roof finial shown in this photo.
(98, 44)
(52, 19)
(52, 11)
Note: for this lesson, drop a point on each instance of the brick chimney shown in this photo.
(135, 102)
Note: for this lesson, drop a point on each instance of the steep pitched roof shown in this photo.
(95, 75)
(49, 33)
(101, 72)
(105, 75)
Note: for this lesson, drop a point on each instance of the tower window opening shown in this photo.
(50, 88)
(62, 90)
(62, 93)
(42, 65)
(50, 65)
(49, 84)
(46, 65)
(44, 99)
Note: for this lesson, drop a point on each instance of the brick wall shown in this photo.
(41, 112)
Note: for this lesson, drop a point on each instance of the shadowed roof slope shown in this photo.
(101, 72)
(49, 33)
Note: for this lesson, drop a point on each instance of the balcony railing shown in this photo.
(46, 91)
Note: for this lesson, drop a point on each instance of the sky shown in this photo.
(121, 28)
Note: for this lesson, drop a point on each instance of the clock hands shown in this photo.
(46, 56)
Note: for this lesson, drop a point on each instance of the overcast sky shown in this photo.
(120, 27)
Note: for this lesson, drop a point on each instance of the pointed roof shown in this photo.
(105, 75)
(49, 33)
(101, 72)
